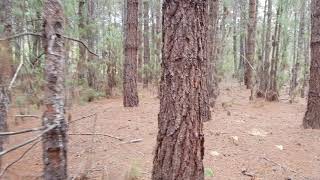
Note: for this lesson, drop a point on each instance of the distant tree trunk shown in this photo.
(248, 77)
(130, 90)
(5, 65)
(266, 64)
(296, 66)
(260, 93)
(81, 69)
(91, 20)
(306, 57)
(312, 116)
(140, 41)
(213, 79)
(222, 39)
(54, 141)
(183, 96)
(272, 94)
(243, 37)
(146, 49)
(235, 41)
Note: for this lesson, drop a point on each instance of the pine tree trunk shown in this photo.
(248, 76)
(243, 37)
(5, 65)
(183, 96)
(140, 41)
(296, 66)
(213, 79)
(91, 19)
(130, 90)
(54, 141)
(235, 40)
(272, 94)
(312, 116)
(81, 69)
(264, 81)
(146, 49)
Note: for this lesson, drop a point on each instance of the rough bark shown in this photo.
(312, 116)
(5, 65)
(146, 48)
(183, 92)
(54, 141)
(250, 53)
(130, 92)
(140, 41)
(213, 79)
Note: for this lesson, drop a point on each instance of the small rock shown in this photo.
(279, 147)
(214, 153)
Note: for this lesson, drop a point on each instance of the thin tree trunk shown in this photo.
(54, 141)
(312, 116)
(130, 90)
(243, 37)
(140, 41)
(183, 97)
(91, 20)
(213, 79)
(248, 77)
(81, 69)
(146, 49)
(296, 67)
(235, 40)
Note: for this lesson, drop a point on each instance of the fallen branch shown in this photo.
(22, 131)
(49, 128)
(95, 134)
(16, 74)
(17, 160)
(84, 117)
(26, 116)
(132, 141)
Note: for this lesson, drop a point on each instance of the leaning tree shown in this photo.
(312, 116)
(184, 102)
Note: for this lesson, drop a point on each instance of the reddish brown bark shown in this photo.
(312, 116)
(54, 141)
(130, 92)
(183, 92)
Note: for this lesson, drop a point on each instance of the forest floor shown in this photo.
(244, 139)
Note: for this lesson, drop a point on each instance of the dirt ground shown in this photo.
(244, 139)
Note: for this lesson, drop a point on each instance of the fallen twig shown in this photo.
(49, 128)
(284, 167)
(246, 173)
(25, 116)
(84, 117)
(17, 160)
(95, 134)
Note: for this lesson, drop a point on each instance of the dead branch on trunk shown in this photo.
(17, 160)
(21, 34)
(49, 128)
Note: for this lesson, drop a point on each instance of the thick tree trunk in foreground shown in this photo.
(54, 141)
(130, 92)
(146, 48)
(183, 92)
(248, 75)
(312, 116)
(5, 65)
